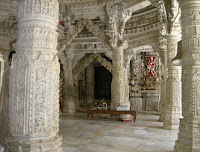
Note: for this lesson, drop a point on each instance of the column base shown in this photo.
(171, 127)
(162, 116)
(113, 105)
(172, 120)
(69, 107)
(188, 137)
(53, 144)
(179, 147)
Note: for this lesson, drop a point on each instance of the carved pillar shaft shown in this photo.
(126, 89)
(173, 86)
(34, 80)
(163, 86)
(90, 84)
(68, 87)
(127, 58)
(189, 133)
(117, 86)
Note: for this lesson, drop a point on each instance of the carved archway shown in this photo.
(85, 62)
(94, 29)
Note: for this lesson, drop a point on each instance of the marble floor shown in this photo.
(110, 135)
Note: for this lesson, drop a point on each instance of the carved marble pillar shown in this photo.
(34, 80)
(189, 132)
(136, 81)
(127, 58)
(68, 87)
(90, 84)
(163, 86)
(117, 72)
(173, 86)
(118, 85)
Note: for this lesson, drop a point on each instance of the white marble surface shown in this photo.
(111, 135)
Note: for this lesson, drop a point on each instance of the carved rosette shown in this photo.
(173, 87)
(34, 80)
(189, 133)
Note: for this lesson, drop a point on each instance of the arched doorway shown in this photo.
(93, 80)
(102, 81)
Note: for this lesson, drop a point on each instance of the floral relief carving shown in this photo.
(40, 100)
(37, 38)
(42, 97)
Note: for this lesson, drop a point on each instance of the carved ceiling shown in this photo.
(144, 21)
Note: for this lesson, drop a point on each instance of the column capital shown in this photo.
(175, 37)
(123, 45)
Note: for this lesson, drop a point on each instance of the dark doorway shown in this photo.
(103, 80)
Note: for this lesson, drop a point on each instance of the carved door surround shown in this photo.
(85, 62)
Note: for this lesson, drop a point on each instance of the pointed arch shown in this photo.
(93, 28)
(86, 61)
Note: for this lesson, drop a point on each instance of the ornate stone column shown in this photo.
(68, 87)
(189, 133)
(90, 84)
(118, 86)
(34, 80)
(173, 86)
(163, 86)
(136, 81)
(127, 58)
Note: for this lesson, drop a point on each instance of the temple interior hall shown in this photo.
(100, 75)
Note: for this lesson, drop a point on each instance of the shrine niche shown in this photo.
(145, 81)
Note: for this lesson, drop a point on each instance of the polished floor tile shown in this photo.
(110, 135)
